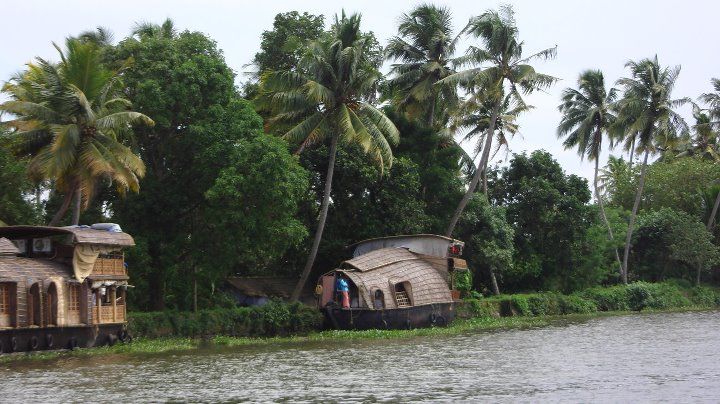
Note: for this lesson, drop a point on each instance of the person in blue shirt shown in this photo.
(342, 287)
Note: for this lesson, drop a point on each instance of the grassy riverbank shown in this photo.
(279, 323)
(144, 346)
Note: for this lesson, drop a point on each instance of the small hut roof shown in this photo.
(379, 258)
(7, 247)
(15, 269)
(431, 236)
(429, 244)
(81, 235)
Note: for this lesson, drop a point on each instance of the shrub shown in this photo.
(704, 296)
(521, 305)
(607, 299)
(576, 304)
(480, 308)
(274, 318)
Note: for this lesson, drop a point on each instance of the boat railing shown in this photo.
(109, 314)
(110, 266)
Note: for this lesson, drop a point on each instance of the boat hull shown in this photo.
(39, 339)
(430, 315)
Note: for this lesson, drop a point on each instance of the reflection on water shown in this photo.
(652, 357)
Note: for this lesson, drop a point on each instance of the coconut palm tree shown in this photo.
(713, 100)
(507, 72)
(70, 121)
(326, 100)
(709, 125)
(705, 143)
(425, 51)
(615, 171)
(473, 117)
(587, 119)
(647, 111)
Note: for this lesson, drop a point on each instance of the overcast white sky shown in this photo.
(589, 34)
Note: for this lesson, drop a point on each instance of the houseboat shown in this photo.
(394, 282)
(62, 287)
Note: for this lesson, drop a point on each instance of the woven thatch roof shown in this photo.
(19, 268)
(378, 258)
(7, 247)
(383, 269)
(81, 235)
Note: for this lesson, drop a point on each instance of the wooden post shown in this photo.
(98, 305)
(114, 303)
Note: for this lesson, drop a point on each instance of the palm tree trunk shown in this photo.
(63, 208)
(195, 289)
(76, 207)
(431, 118)
(709, 227)
(711, 219)
(632, 152)
(633, 215)
(478, 173)
(484, 179)
(604, 216)
(321, 223)
(493, 282)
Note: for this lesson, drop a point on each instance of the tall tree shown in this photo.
(72, 121)
(15, 188)
(705, 143)
(282, 47)
(327, 100)
(710, 127)
(425, 51)
(502, 52)
(713, 100)
(206, 147)
(647, 109)
(587, 119)
(474, 115)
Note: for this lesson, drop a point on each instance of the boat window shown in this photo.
(7, 300)
(379, 299)
(74, 297)
(75, 310)
(34, 310)
(51, 303)
(402, 297)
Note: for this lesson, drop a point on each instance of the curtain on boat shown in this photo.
(84, 259)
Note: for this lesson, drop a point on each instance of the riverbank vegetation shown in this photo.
(279, 323)
(319, 149)
(281, 319)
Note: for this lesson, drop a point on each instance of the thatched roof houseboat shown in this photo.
(62, 287)
(393, 282)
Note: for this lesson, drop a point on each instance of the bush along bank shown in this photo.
(636, 296)
(273, 319)
(282, 319)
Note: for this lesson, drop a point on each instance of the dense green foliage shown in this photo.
(73, 124)
(555, 246)
(672, 244)
(205, 151)
(274, 318)
(235, 183)
(633, 297)
(14, 206)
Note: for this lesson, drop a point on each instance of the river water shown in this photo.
(638, 358)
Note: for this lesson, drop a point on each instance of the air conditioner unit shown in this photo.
(21, 245)
(42, 245)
